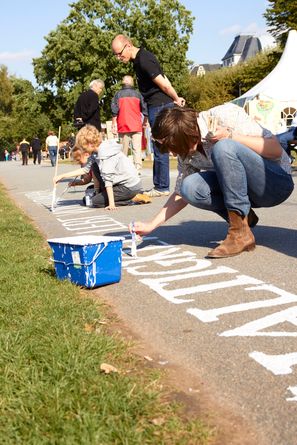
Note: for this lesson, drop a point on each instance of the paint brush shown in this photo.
(133, 243)
(65, 190)
(54, 200)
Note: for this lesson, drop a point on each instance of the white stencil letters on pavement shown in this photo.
(210, 315)
(159, 284)
(277, 364)
(173, 273)
(254, 328)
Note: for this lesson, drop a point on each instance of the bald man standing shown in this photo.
(158, 93)
(129, 115)
(87, 108)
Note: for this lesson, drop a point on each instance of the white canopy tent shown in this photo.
(273, 101)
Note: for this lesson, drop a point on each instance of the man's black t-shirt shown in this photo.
(147, 67)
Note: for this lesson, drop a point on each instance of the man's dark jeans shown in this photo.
(161, 161)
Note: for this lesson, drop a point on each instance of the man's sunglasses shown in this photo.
(121, 52)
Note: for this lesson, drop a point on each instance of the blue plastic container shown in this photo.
(89, 261)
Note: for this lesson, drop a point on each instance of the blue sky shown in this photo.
(24, 23)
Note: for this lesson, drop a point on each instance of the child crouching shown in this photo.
(116, 179)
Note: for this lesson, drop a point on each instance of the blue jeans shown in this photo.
(161, 161)
(53, 155)
(285, 137)
(242, 179)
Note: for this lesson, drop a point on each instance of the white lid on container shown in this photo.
(84, 240)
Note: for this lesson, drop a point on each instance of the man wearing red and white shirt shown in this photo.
(129, 116)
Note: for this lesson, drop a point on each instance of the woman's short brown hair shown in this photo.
(176, 130)
(88, 135)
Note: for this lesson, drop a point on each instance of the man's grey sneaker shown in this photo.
(153, 193)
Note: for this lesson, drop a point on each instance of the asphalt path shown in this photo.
(232, 323)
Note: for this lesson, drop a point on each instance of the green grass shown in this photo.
(51, 348)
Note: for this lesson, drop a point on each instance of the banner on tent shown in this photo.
(267, 112)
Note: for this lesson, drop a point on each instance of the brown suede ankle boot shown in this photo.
(239, 238)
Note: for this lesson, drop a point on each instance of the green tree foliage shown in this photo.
(5, 91)
(281, 16)
(79, 50)
(255, 69)
(213, 89)
(226, 84)
(21, 112)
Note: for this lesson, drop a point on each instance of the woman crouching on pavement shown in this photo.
(227, 163)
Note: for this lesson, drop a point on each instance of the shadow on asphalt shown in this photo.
(206, 233)
(69, 202)
(61, 204)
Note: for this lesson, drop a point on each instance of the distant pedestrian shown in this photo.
(71, 141)
(17, 151)
(36, 149)
(129, 115)
(87, 108)
(158, 93)
(51, 144)
(6, 155)
(24, 148)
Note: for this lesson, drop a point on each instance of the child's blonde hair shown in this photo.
(88, 139)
